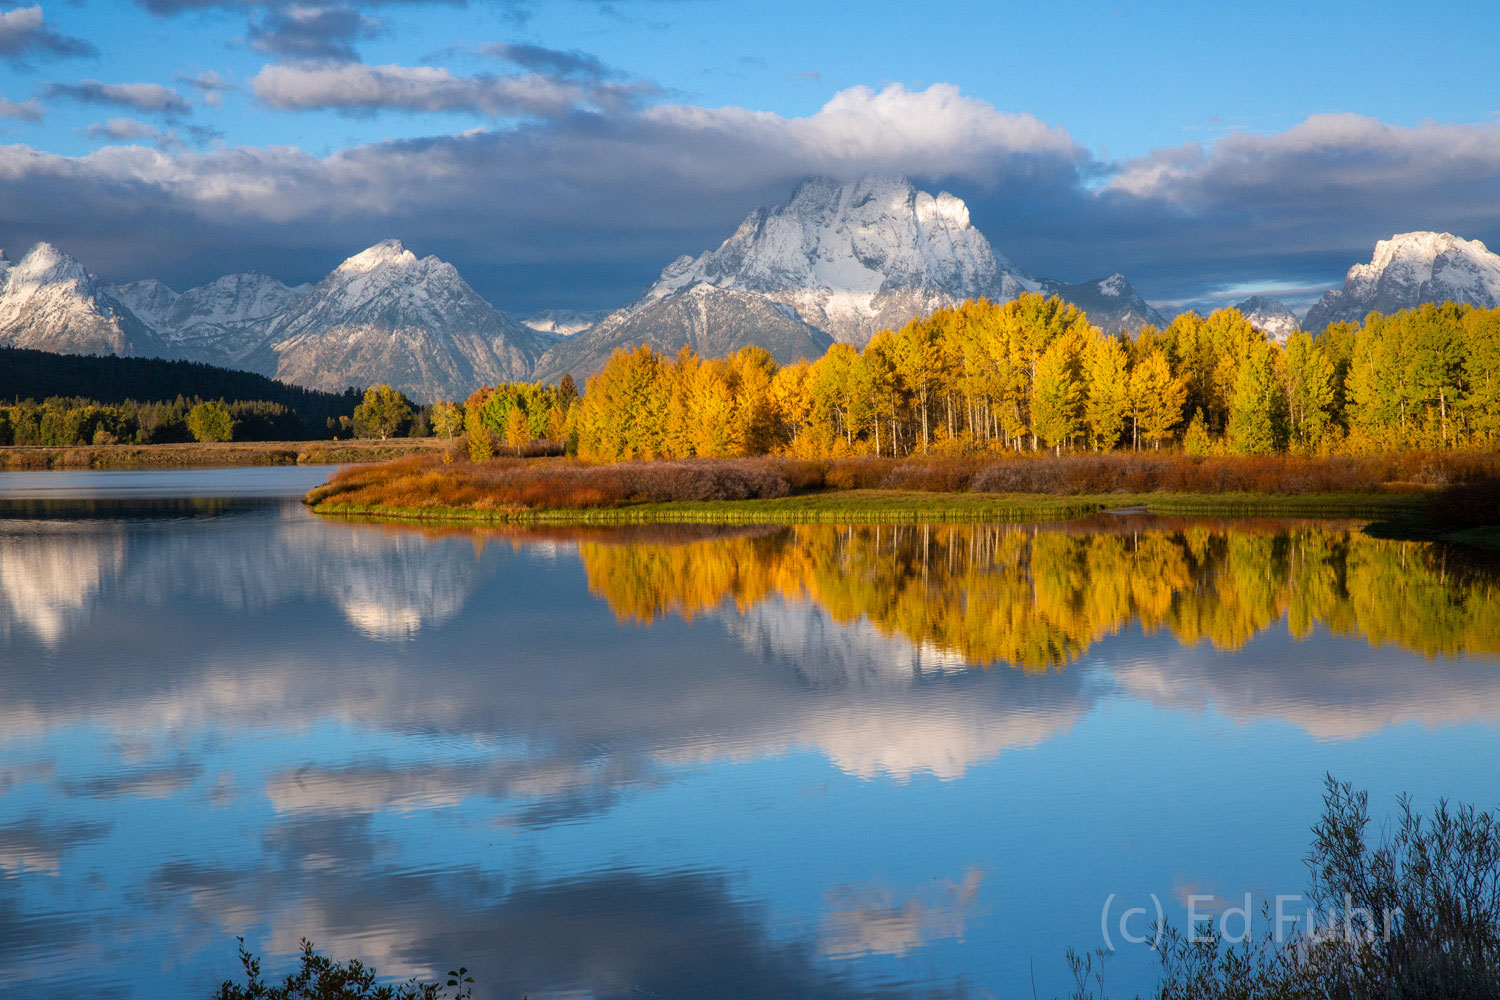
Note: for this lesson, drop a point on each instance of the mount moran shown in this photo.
(837, 262)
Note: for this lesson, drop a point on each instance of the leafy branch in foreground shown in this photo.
(319, 977)
(1413, 917)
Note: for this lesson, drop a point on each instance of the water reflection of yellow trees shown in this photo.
(1037, 597)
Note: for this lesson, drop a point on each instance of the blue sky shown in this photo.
(560, 153)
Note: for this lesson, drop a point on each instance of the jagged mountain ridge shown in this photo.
(839, 253)
(837, 261)
(50, 302)
(847, 258)
(381, 316)
(385, 315)
(221, 322)
(1410, 269)
(713, 321)
(1270, 316)
(1112, 303)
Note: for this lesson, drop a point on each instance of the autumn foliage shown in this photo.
(1032, 374)
(443, 482)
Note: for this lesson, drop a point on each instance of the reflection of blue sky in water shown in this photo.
(423, 750)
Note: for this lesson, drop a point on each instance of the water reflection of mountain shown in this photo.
(227, 671)
(387, 584)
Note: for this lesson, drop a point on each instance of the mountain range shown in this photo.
(836, 263)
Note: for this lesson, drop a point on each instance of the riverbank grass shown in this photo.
(897, 506)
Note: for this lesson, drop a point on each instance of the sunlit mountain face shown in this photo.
(817, 760)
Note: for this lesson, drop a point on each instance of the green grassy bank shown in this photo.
(897, 506)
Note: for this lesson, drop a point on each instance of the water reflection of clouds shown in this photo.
(875, 919)
(239, 674)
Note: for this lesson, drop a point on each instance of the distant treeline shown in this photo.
(65, 399)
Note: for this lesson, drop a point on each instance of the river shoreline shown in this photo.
(232, 454)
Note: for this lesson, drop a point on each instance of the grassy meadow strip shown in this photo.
(781, 490)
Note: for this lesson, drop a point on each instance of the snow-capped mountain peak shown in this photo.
(44, 265)
(1269, 316)
(384, 253)
(848, 256)
(1112, 303)
(385, 315)
(1409, 269)
(50, 302)
(1115, 286)
(151, 300)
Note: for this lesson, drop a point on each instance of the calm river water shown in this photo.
(686, 762)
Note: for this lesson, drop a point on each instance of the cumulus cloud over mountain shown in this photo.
(578, 184)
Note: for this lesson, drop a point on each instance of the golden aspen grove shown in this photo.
(1034, 375)
(1036, 598)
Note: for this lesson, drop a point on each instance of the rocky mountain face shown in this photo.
(50, 303)
(844, 259)
(1112, 303)
(385, 315)
(222, 322)
(1270, 316)
(839, 261)
(714, 322)
(854, 258)
(1408, 270)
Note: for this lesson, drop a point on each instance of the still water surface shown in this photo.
(685, 762)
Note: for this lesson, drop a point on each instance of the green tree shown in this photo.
(1056, 396)
(1108, 390)
(1255, 406)
(1308, 375)
(567, 391)
(210, 422)
(383, 413)
(447, 419)
(1195, 440)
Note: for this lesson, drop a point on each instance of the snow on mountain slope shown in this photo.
(1270, 316)
(844, 259)
(1112, 303)
(50, 302)
(220, 323)
(714, 322)
(384, 315)
(1409, 269)
(150, 300)
(563, 322)
(853, 258)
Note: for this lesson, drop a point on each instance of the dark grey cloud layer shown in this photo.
(312, 32)
(581, 203)
(26, 111)
(148, 97)
(25, 36)
(558, 62)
